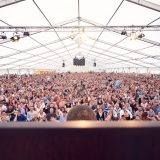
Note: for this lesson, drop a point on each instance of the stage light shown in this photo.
(81, 38)
(124, 32)
(133, 36)
(141, 35)
(3, 36)
(15, 37)
(26, 34)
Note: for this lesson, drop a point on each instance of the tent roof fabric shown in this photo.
(48, 49)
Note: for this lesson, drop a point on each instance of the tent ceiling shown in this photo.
(110, 49)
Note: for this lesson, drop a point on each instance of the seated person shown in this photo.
(19, 117)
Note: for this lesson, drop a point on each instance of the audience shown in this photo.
(102, 96)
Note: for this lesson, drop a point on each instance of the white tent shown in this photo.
(62, 29)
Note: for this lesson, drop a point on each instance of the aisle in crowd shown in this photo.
(112, 96)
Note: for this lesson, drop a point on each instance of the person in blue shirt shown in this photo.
(19, 117)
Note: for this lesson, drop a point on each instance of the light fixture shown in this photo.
(124, 32)
(133, 36)
(72, 37)
(80, 38)
(94, 64)
(15, 37)
(141, 35)
(26, 34)
(3, 36)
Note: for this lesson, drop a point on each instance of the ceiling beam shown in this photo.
(51, 58)
(4, 3)
(116, 54)
(32, 48)
(127, 49)
(75, 28)
(146, 4)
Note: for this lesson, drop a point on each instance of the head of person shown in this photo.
(18, 112)
(137, 118)
(144, 116)
(19, 106)
(64, 113)
(139, 109)
(51, 110)
(10, 107)
(151, 110)
(31, 108)
(126, 115)
(81, 112)
(100, 110)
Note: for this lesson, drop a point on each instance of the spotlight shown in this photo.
(81, 38)
(15, 37)
(3, 36)
(26, 34)
(141, 35)
(133, 36)
(124, 32)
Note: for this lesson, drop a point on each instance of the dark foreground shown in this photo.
(80, 141)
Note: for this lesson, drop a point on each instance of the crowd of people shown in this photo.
(112, 96)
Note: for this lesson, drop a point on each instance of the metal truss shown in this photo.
(119, 32)
(39, 57)
(116, 54)
(89, 28)
(146, 4)
(51, 26)
(127, 49)
(50, 59)
(4, 3)
(32, 48)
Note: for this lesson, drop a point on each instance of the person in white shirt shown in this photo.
(32, 114)
(41, 116)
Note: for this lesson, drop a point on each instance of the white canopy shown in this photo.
(62, 29)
